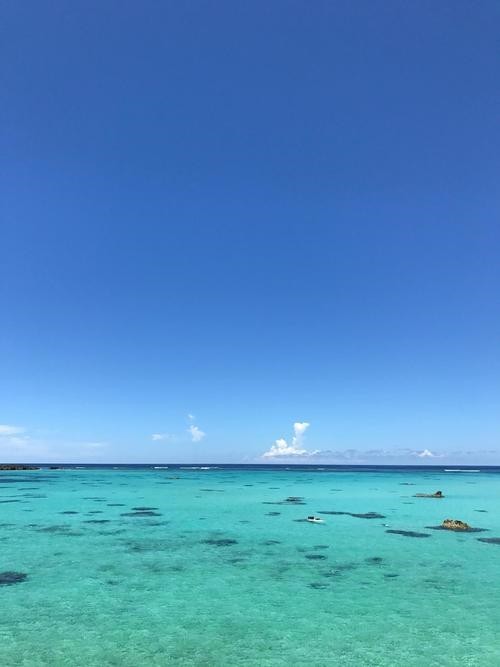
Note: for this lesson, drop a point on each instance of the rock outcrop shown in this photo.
(455, 524)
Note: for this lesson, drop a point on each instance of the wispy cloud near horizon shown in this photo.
(401, 456)
(8, 430)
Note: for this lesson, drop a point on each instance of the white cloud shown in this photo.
(426, 453)
(6, 429)
(296, 448)
(160, 436)
(196, 433)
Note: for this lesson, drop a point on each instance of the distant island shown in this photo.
(17, 466)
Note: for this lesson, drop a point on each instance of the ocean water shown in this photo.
(222, 570)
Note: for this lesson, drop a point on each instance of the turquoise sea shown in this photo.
(133, 566)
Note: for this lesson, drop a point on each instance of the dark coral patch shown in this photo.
(318, 585)
(489, 540)
(339, 569)
(220, 542)
(144, 509)
(391, 575)
(374, 560)
(9, 578)
(315, 557)
(365, 515)
(116, 504)
(408, 533)
(58, 528)
(468, 530)
(96, 521)
(68, 512)
(141, 513)
(273, 513)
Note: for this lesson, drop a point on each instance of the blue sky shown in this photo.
(223, 219)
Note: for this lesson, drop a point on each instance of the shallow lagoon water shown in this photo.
(142, 566)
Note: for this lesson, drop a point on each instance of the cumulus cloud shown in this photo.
(196, 433)
(426, 453)
(295, 448)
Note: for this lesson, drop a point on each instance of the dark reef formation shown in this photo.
(489, 540)
(9, 578)
(436, 494)
(366, 515)
(407, 533)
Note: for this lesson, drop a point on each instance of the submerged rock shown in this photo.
(374, 560)
(357, 515)
(9, 578)
(436, 494)
(220, 542)
(315, 557)
(141, 513)
(407, 533)
(489, 540)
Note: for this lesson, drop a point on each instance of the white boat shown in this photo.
(314, 519)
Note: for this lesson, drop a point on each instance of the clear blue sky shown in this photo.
(256, 214)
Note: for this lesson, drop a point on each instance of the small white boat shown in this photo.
(314, 519)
